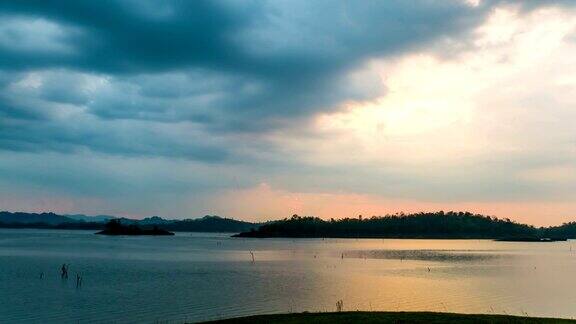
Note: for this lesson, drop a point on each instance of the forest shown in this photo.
(440, 224)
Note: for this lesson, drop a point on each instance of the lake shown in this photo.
(199, 276)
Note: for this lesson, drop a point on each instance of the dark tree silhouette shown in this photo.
(421, 225)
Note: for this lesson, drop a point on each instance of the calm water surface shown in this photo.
(194, 277)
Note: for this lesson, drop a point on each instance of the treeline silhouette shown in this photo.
(54, 221)
(115, 227)
(66, 226)
(421, 225)
(567, 230)
(210, 224)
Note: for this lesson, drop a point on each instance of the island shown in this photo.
(115, 227)
(432, 225)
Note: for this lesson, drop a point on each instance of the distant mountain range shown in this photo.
(85, 218)
(79, 221)
(29, 218)
(421, 225)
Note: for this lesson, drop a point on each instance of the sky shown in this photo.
(258, 110)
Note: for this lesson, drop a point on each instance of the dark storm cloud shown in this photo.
(299, 50)
(134, 36)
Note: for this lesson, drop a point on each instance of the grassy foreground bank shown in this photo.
(388, 317)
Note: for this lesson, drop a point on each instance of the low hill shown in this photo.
(421, 225)
(91, 219)
(30, 218)
(55, 221)
(210, 224)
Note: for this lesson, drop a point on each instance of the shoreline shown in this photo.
(406, 237)
(387, 317)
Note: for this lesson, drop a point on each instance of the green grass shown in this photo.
(388, 317)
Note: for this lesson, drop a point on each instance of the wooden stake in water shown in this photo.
(339, 305)
(64, 271)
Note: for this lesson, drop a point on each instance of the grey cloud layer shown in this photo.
(226, 66)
